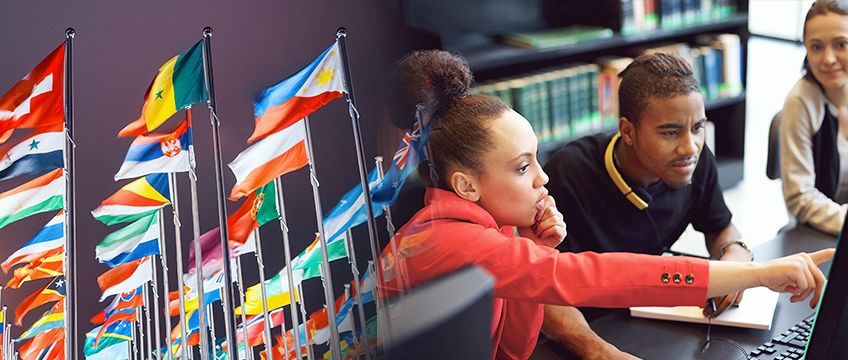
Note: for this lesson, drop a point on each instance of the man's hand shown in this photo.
(734, 253)
(549, 227)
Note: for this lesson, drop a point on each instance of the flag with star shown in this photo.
(37, 154)
(52, 292)
(178, 84)
(294, 98)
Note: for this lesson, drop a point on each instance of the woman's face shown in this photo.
(826, 40)
(511, 183)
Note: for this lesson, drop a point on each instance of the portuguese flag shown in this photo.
(178, 84)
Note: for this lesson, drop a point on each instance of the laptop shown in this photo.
(824, 334)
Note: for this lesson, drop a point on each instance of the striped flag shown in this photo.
(115, 333)
(52, 319)
(292, 99)
(256, 326)
(178, 84)
(44, 193)
(135, 200)
(37, 100)
(280, 153)
(277, 292)
(310, 259)
(49, 345)
(125, 278)
(47, 266)
(52, 236)
(118, 351)
(37, 154)
(132, 242)
(54, 291)
(159, 153)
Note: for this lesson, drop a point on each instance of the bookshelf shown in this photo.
(477, 29)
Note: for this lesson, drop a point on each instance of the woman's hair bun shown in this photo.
(432, 75)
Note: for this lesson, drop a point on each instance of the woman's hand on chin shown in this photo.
(548, 228)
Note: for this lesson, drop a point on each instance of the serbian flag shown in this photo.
(292, 99)
(178, 84)
(37, 154)
(280, 153)
(44, 193)
(37, 100)
(54, 291)
(47, 266)
(165, 153)
(125, 277)
(52, 236)
(135, 200)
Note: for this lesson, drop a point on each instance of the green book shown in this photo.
(553, 38)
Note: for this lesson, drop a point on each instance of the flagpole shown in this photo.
(269, 354)
(326, 276)
(360, 309)
(382, 313)
(164, 262)
(226, 294)
(309, 354)
(140, 337)
(284, 228)
(175, 207)
(212, 328)
(70, 214)
(155, 294)
(198, 256)
(146, 305)
(390, 227)
(3, 324)
(243, 315)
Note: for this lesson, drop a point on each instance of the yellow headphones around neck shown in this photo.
(616, 177)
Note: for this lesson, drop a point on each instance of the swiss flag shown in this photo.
(36, 100)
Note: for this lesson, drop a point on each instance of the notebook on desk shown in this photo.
(756, 311)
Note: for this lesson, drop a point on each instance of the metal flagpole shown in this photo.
(266, 319)
(326, 276)
(212, 330)
(3, 324)
(175, 206)
(360, 309)
(309, 354)
(284, 228)
(137, 330)
(382, 313)
(155, 289)
(164, 261)
(402, 280)
(70, 214)
(248, 354)
(8, 348)
(226, 294)
(146, 305)
(198, 257)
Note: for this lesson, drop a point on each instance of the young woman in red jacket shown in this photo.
(486, 204)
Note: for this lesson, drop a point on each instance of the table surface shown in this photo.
(658, 339)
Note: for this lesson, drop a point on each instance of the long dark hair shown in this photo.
(820, 7)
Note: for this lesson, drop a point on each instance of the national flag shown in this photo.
(280, 153)
(158, 153)
(276, 290)
(125, 277)
(52, 236)
(115, 333)
(292, 99)
(405, 161)
(211, 254)
(259, 208)
(54, 291)
(132, 242)
(119, 351)
(350, 210)
(179, 83)
(52, 319)
(125, 301)
(48, 345)
(37, 154)
(37, 100)
(44, 193)
(367, 286)
(319, 327)
(49, 265)
(310, 259)
(128, 315)
(211, 289)
(135, 200)
(256, 326)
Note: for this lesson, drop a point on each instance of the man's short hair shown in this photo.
(653, 76)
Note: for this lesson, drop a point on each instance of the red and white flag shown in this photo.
(35, 101)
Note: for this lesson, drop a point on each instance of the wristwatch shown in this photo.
(735, 242)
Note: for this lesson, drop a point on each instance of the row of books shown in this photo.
(582, 98)
(646, 15)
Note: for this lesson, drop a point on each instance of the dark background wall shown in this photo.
(117, 50)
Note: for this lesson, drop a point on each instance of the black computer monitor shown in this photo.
(829, 337)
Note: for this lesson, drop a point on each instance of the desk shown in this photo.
(657, 339)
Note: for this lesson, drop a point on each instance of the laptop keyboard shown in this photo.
(790, 344)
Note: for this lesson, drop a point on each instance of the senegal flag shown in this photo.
(178, 84)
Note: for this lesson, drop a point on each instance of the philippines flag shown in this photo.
(292, 99)
(160, 153)
(51, 237)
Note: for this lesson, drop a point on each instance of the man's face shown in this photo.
(668, 138)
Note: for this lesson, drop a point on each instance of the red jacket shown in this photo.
(450, 232)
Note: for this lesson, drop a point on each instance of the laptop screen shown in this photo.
(829, 338)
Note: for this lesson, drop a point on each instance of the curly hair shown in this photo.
(653, 76)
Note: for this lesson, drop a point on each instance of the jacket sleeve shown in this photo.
(526, 271)
(806, 203)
